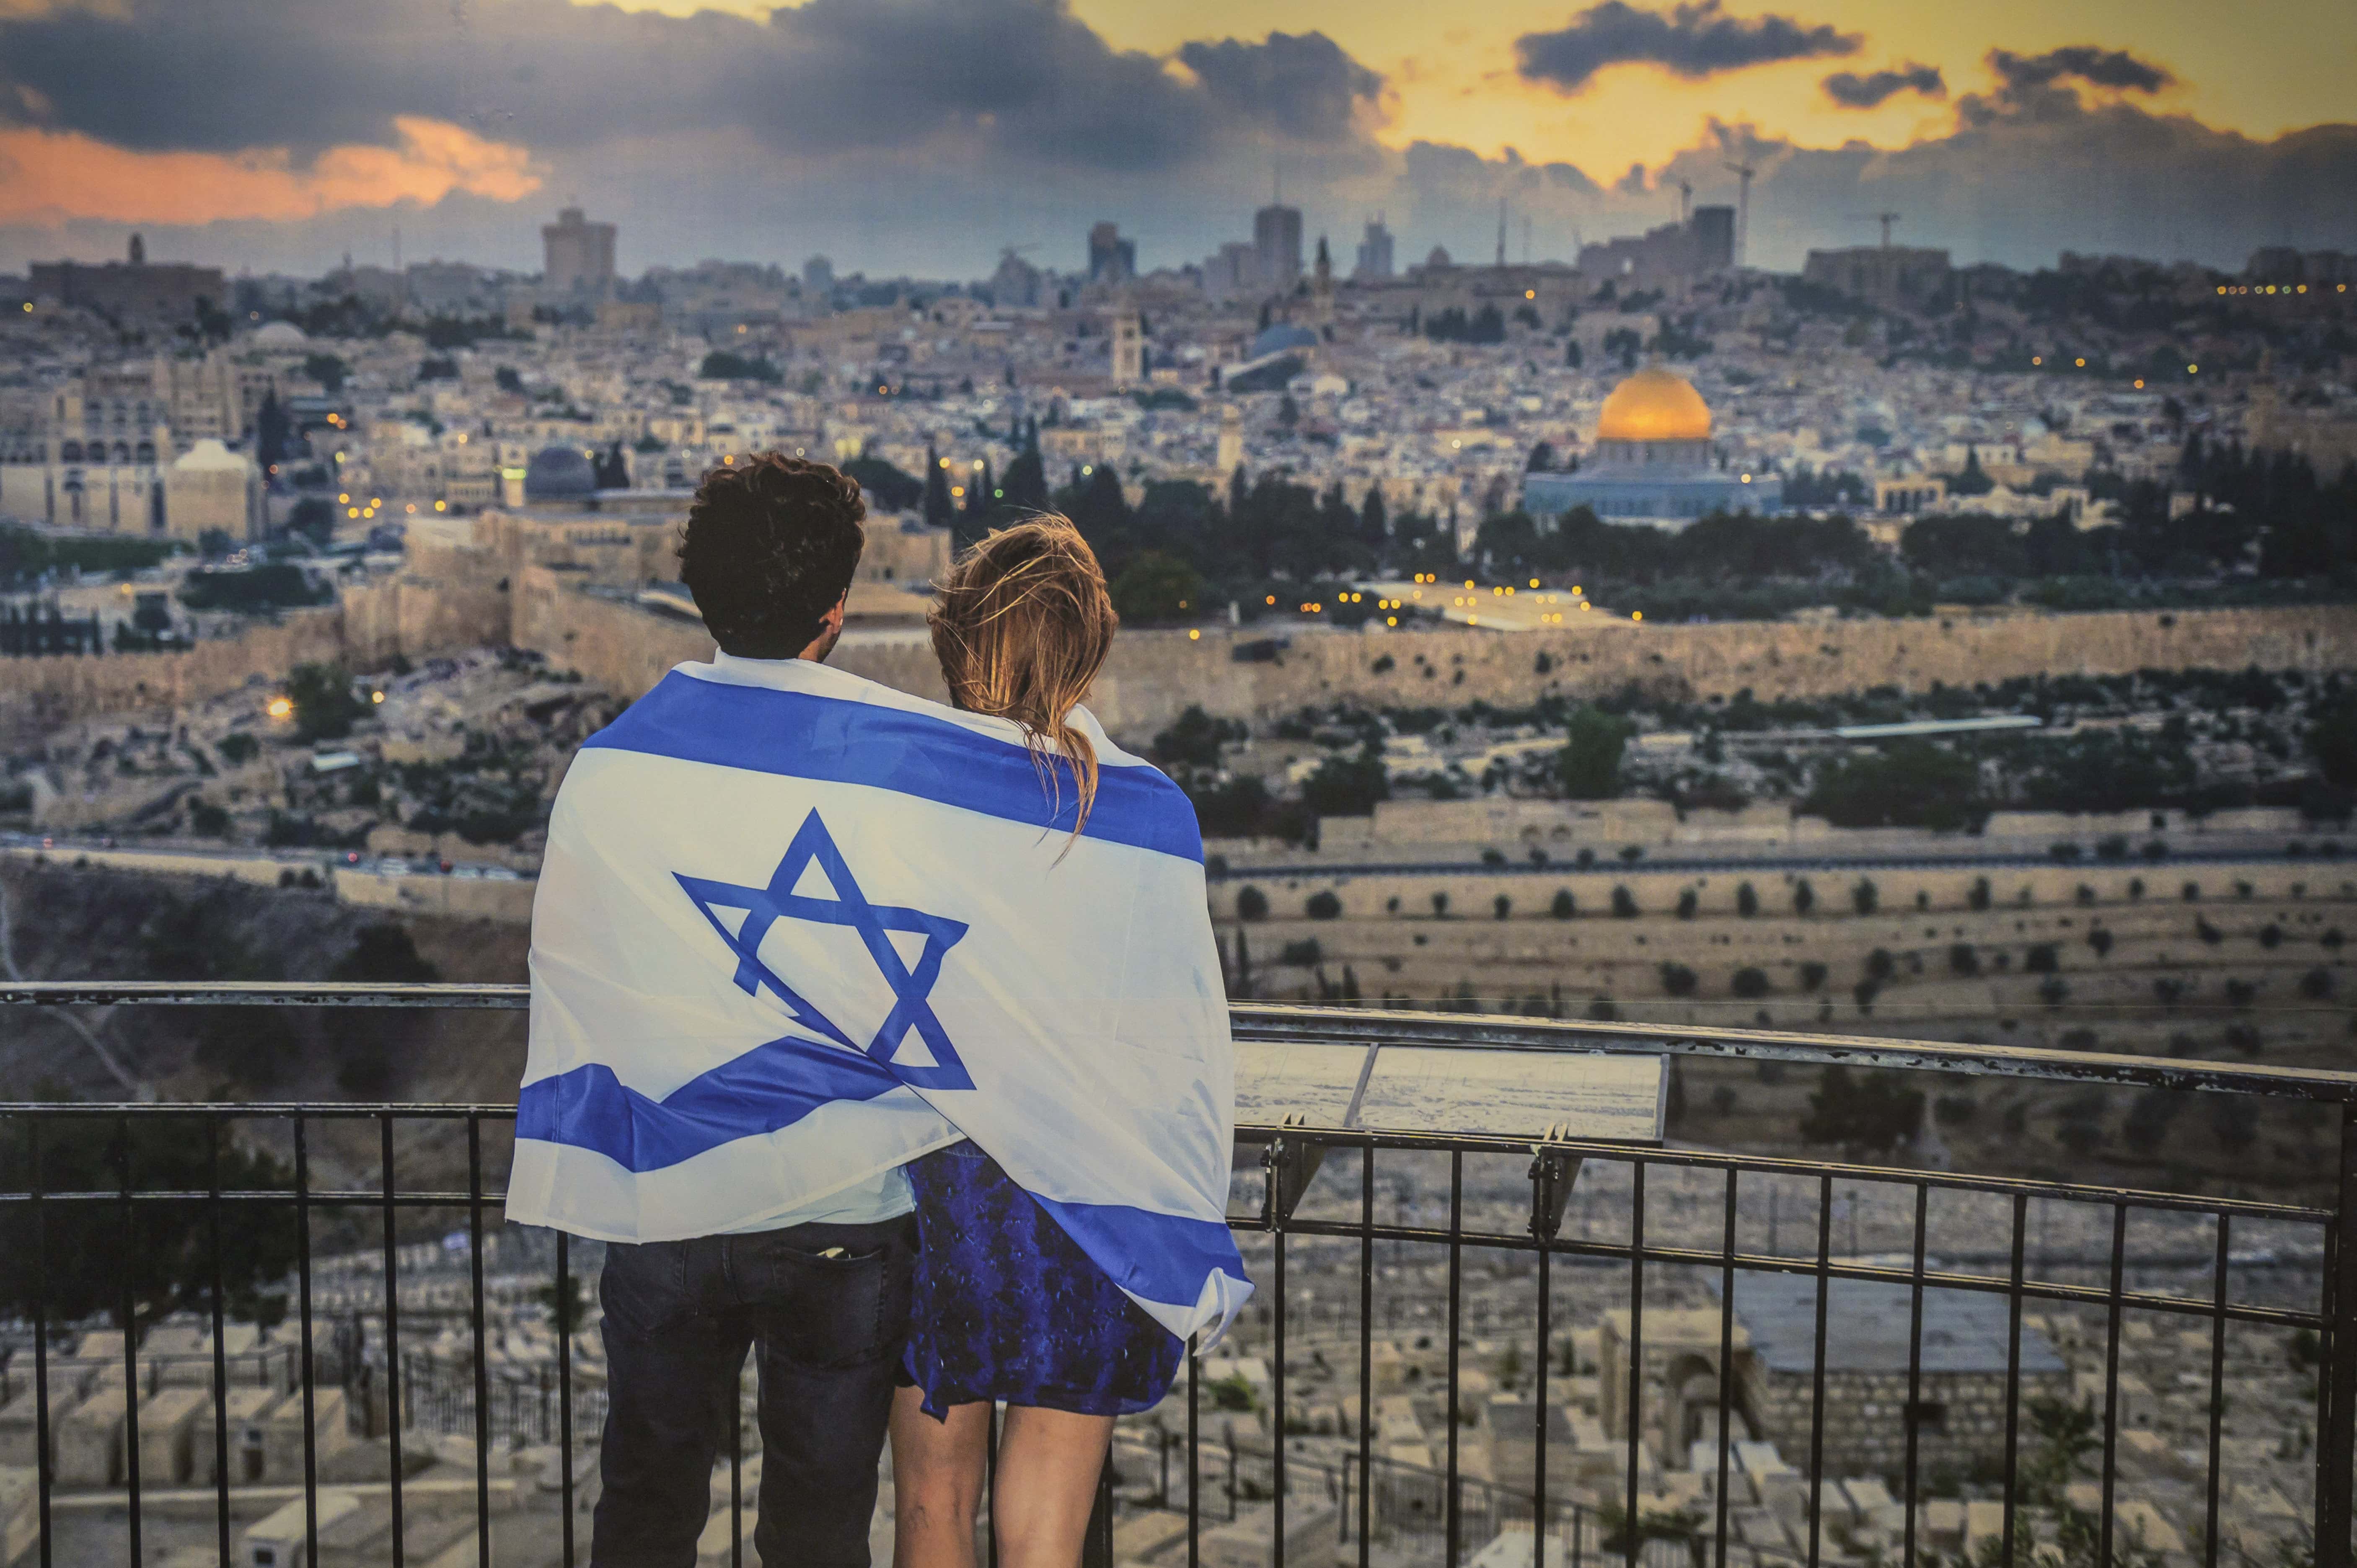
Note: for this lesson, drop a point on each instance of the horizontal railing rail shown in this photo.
(1312, 1205)
(1266, 1021)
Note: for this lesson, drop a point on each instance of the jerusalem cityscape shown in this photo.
(1774, 734)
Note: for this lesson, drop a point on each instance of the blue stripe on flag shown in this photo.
(770, 1087)
(800, 735)
(1159, 1257)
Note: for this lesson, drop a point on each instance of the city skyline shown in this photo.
(922, 138)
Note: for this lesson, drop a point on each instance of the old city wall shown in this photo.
(1152, 676)
(460, 598)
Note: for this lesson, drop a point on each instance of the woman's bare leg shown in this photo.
(1049, 1461)
(937, 1477)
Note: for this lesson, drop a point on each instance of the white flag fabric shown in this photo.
(794, 927)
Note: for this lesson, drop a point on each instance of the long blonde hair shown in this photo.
(1021, 627)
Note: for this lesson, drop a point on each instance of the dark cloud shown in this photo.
(828, 76)
(1303, 87)
(2096, 66)
(1693, 41)
(1851, 91)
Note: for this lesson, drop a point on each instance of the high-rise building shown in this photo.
(1713, 231)
(1374, 253)
(1231, 272)
(1112, 259)
(1277, 242)
(818, 279)
(579, 257)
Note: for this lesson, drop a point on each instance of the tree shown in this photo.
(327, 371)
(1747, 900)
(1323, 906)
(891, 488)
(1912, 784)
(159, 1259)
(370, 1044)
(1157, 588)
(940, 512)
(1347, 785)
(1252, 903)
(1374, 527)
(1870, 1111)
(1589, 764)
(314, 517)
(1804, 897)
(2332, 740)
(1677, 980)
(325, 706)
(271, 429)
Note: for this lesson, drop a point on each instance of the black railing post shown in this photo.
(1096, 1547)
(2337, 1443)
(220, 1351)
(130, 1350)
(565, 1327)
(43, 1477)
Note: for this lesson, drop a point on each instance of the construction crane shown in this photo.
(1885, 219)
(1743, 172)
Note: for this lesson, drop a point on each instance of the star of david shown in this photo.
(911, 986)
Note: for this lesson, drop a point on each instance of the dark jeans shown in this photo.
(679, 1319)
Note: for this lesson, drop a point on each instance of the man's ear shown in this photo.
(833, 619)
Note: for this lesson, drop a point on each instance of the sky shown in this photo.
(922, 136)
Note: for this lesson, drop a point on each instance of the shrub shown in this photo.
(1863, 897)
(2209, 933)
(1493, 857)
(1812, 975)
(2234, 1121)
(1678, 979)
(2043, 958)
(2053, 990)
(1440, 905)
(2136, 887)
(1879, 964)
(1688, 900)
(1749, 982)
(1747, 900)
(1624, 903)
(2241, 993)
(1978, 895)
(2101, 940)
(1601, 1010)
(1323, 906)
(1869, 1111)
(2086, 896)
(2065, 852)
(1630, 853)
(2271, 936)
(1964, 959)
(2112, 846)
(2316, 985)
(1502, 906)
(1303, 954)
(2191, 892)
(1252, 903)
(1804, 897)
(1564, 906)
(2149, 1114)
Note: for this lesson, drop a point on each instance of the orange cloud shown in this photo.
(48, 177)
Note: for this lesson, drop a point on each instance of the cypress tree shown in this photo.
(940, 511)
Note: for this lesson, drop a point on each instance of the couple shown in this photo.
(885, 1039)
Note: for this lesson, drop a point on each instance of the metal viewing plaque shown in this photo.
(1514, 1094)
(1435, 1088)
(1315, 1085)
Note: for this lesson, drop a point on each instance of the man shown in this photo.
(821, 1289)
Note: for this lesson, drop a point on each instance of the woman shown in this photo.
(1007, 1307)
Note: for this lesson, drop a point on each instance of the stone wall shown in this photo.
(457, 597)
(1962, 1419)
(1152, 676)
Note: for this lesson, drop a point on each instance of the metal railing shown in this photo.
(1657, 1472)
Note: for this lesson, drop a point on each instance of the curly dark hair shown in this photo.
(769, 547)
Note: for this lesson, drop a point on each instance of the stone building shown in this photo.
(212, 489)
(1958, 1414)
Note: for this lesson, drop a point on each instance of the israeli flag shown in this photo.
(794, 927)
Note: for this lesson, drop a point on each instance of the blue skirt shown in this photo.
(1007, 1307)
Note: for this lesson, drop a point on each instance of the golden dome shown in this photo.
(1654, 406)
